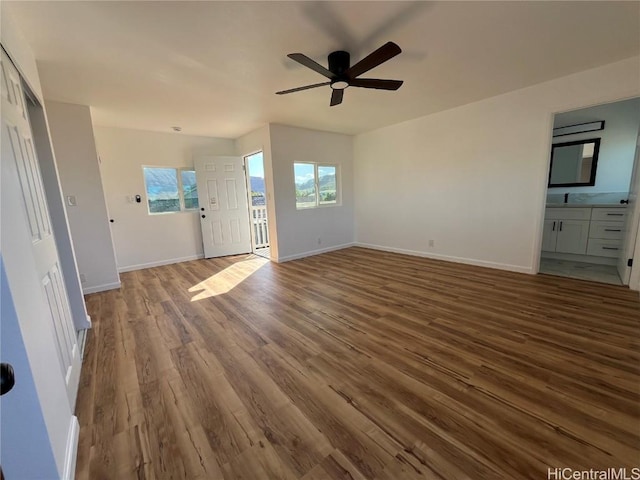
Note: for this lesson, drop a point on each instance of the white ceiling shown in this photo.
(213, 67)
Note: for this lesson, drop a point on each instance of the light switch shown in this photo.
(71, 200)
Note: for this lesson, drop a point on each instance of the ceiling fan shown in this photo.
(341, 75)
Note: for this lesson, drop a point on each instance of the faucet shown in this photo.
(566, 198)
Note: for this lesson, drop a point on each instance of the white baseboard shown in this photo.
(298, 256)
(71, 453)
(82, 341)
(450, 258)
(101, 288)
(141, 266)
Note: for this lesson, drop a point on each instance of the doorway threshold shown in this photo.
(580, 270)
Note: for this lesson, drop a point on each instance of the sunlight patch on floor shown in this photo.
(232, 276)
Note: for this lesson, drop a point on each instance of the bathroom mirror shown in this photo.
(574, 164)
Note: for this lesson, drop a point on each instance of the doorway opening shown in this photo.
(254, 169)
(592, 213)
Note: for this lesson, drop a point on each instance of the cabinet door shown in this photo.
(572, 236)
(549, 235)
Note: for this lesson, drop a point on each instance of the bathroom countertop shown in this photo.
(585, 205)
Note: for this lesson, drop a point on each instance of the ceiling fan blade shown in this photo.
(381, 55)
(336, 97)
(376, 83)
(306, 87)
(313, 65)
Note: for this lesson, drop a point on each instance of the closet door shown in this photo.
(34, 274)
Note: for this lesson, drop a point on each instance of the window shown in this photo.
(316, 185)
(170, 189)
(327, 191)
(189, 189)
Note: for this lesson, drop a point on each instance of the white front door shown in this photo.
(33, 268)
(632, 220)
(224, 209)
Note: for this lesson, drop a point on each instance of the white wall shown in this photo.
(473, 179)
(142, 240)
(58, 214)
(20, 52)
(252, 142)
(298, 231)
(617, 145)
(75, 151)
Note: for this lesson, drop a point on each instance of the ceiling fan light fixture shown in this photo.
(341, 75)
(339, 85)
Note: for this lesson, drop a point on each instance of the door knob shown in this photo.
(7, 378)
(112, 220)
(624, 201)
(202, 208)
(204, 216)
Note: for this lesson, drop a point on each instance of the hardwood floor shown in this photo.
(357, 364)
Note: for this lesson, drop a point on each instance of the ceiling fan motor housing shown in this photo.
(339, 63)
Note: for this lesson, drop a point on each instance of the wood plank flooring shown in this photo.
(357, 364)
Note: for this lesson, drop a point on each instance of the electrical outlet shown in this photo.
(71, 200)
(432, 243)
(82, 278)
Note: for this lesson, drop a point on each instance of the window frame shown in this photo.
(316, 179)
(178, 171)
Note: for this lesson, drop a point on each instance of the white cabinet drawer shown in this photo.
(608, 214)
(608, 230)
(604, 248)
(567, 213)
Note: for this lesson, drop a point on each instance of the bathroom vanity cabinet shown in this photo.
(595, 231)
